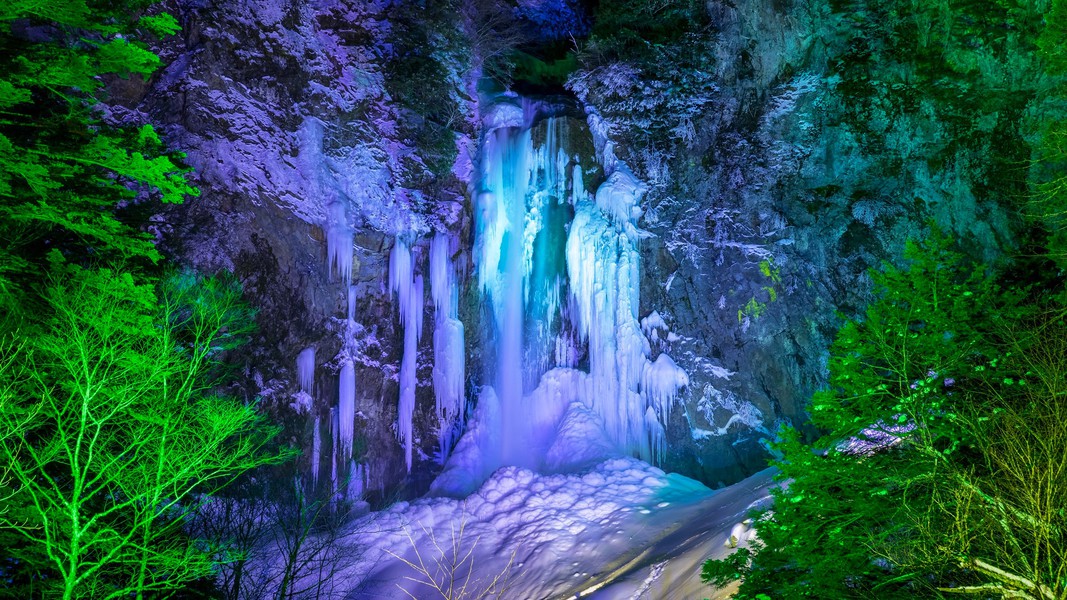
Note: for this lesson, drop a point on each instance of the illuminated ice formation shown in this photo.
(560, 272)
(305, 369)
(339, 238)
(409, 290)
(449, 368)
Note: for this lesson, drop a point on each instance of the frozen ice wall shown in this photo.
(560, 272)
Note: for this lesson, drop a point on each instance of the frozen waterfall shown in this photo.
(559, 270)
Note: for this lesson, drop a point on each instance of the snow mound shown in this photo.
(525, 535)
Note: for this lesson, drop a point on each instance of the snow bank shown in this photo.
(541, 535)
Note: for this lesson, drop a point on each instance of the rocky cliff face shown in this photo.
(787, 156)
(310, 171)
(315, 152)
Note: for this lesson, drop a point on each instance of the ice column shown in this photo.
(305, 374)
(346, 392)
(632, 394)
(316, 451)
(539, 232)
(448, 339)
(409, 290)
(305, 369)
(520, 219)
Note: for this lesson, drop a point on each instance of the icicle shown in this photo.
(346, 386)
(660, 383)
(441, 276)
(339, 239)
(316, 452)
(333, 451)
(346, 407)
(409, 292)
(305, 369)
(448, 343)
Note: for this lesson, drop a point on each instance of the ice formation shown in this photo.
(560, 272)
(316, 451)
(339, 241)
(449, 368)
(305, 369)
(409, 290)
(346, 407)
(346, 392)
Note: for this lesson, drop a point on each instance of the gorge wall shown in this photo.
(328, 135)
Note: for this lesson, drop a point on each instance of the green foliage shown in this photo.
(1048, 202)
(110, 428)
(844, 525)
(121, 432)
(770, 271)
(754, 309)
(64, 173)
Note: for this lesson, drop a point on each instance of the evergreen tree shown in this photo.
(852, 517)
(64, 172)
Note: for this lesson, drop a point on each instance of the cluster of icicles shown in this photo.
(559, 270)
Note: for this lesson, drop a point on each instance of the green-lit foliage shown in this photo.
(1048, 203)
(110, 432)
(846, 525)
(124, 432)
(63, 171)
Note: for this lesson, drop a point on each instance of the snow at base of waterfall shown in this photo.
(622, 529)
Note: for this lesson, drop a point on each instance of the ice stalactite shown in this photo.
(346, 392)
(409, 290)
(336, 442)
(449, 369)
(339, 239)
(346, 407)
(316, 451)
(305, 370)
(632, 394)
(305, 374)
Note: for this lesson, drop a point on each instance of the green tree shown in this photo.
(127, 434)
(65, 171)
(845, 524)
